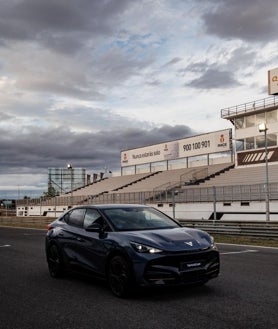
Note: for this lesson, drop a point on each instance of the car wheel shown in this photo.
(55, 262)
(120, 276)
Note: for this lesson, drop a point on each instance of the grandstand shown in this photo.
(159, 180)
(215, 181)
(190, 186)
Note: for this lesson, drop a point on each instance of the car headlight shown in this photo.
(212, 244)
(208, 238)
(142, 248)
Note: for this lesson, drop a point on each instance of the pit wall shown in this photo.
(47, 211)
(230, 211)
(234, 211)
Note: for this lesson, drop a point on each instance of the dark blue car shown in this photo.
(130, 245)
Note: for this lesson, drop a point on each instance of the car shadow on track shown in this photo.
(141, 293)
(174, 293)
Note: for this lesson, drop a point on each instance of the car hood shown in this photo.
(176, 239)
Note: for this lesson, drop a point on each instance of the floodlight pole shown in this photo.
(173, 204)
(69, 166)
(263, 128)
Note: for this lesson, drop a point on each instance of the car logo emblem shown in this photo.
(190, 243)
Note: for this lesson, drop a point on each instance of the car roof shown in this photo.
(116, 205)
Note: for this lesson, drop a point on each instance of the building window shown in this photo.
(271, 140)
(260, 142)
(240, 145)
(239, 123)
(271, 116)
(260, 118)
(250, 121)
(250, 144)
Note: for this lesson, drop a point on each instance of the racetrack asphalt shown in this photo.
(244, 296)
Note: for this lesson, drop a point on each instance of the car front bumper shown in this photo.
(178, 268)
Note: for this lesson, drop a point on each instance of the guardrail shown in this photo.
(251, 229)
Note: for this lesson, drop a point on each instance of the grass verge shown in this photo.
(245, 240)
(25, 225)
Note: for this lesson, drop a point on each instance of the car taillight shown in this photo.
(49, 227)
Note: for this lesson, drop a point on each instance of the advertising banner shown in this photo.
(215, 142)
(273, 82)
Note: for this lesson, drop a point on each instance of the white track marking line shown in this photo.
(238, 252)
(245, 245)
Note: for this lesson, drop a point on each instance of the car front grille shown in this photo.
(183, 268)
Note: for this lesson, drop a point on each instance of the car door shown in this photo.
(93, 247)
(71, 235)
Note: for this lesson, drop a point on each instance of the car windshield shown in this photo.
(140, 218)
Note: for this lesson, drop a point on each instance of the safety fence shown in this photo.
(255, 192)
(244, 228)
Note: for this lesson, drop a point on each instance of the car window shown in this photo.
(92, 216)
(124, 219)
(75, 217)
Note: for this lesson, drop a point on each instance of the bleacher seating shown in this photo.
(160, 181)
(168, 179)
(246, 175)
(110, 184)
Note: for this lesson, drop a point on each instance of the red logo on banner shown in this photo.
(125, 157)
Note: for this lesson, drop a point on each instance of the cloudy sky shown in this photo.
(82, 80)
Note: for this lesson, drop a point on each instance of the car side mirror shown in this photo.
(95, 227)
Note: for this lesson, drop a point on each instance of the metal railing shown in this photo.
(249, 107)
(239, 193)
(251, 229)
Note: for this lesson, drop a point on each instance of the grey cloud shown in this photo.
(222, 73)
(26, 18)
(154, 83)
(249, 20)
(242, 57)
(172, 62)
(198, 67)
(87, 75)
(69, 43)
(5, 117)
(38, 150)
(137, 137)
(92, 119)
(74, 117)
(232, 59)
(214, 78)
(77, 90)
(114, 66)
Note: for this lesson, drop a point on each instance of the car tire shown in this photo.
(55, 262)
(120, 276)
